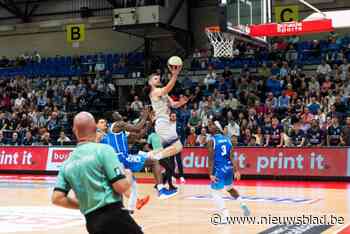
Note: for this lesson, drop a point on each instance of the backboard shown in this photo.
(237, 15)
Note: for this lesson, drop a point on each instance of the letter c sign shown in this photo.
(287, 13)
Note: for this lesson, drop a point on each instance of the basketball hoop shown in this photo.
(222, 42)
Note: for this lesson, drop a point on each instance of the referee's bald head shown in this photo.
(84, 126)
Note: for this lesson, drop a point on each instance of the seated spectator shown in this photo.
(45, 139)
(334, 133)
(314, 86)
(315, 136)
(253, 142)
(246, 137)
(210, 79)
(274, 134)
(191, 138)
(231, 102)
(307, 116)
(259, 136)
(324, 69)
(28, 139)
(194, 121)
(203, 138)
(271, 101)
(217, 110)
(284, 71)
(274, 85)
(345, 134)
(63, 139)
(275, 70)
(264, 71)
(15, 140)
(314, 106)
(344, 68)
(234, 141)
(290, 92)
(222, 86)
(283, 103)
(136, 105)
(297, 135)
(2, 139)
(232, 127)
(340, 107)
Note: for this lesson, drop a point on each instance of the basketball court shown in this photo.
(25, 207)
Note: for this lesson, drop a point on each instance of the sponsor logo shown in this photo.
(59, 156)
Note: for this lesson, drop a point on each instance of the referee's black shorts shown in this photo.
(111, 219)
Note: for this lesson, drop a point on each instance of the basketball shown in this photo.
(175, 61)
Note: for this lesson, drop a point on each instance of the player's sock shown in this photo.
(217, 199)
(133, 196)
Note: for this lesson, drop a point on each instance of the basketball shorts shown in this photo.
(166, 130)
(111, 219)
(135, 163)
(224, 179)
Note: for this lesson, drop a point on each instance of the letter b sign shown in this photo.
(76, 33)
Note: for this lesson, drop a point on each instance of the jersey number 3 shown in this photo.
(223, 150)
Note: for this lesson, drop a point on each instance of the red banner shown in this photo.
(251, 161)
(291, 28)
(274, 161)
(23, 158)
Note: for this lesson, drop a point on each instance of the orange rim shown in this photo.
(213, 29)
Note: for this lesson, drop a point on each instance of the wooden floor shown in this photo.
(25, 208)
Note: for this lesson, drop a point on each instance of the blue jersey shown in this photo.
(222, 153)
(119, 142)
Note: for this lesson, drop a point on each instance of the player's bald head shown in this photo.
(84, 125)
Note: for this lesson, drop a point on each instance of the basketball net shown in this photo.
(222, 43)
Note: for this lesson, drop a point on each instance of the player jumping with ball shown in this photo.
(222, 169)
(161, 104)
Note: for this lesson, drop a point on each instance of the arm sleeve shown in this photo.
(62, 184)
(111, 165)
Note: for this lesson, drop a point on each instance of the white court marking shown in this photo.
(37, 218)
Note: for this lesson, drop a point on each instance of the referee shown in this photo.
(98, 180)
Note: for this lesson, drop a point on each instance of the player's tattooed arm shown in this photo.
(210, 160)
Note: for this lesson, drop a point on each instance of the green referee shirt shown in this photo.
(89, 172)
(154, 140)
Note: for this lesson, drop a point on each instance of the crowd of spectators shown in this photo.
(39, 112)
(276, 105)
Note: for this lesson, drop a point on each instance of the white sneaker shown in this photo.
(182, 180)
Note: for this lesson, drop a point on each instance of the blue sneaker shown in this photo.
(165, 193)
(245, 209)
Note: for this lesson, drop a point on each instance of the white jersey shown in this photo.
(161, 107)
